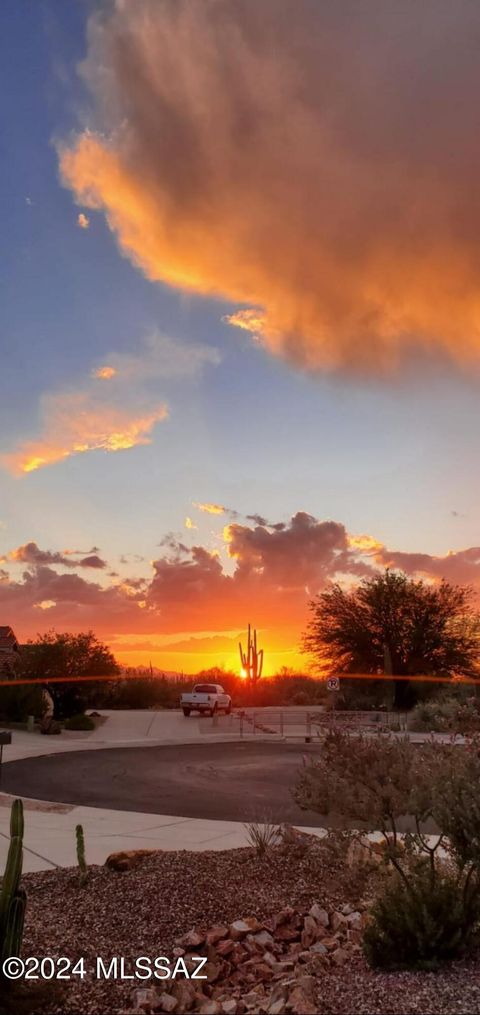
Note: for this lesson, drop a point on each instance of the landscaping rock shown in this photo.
(127, 860)
(338, 920)
(225, 947)
(191, 940)
(145, 999)
(167, 1003)
(240, 928)
(300, 1004)
(319, 915)
(309, 932)
(210, 1007)
(340, 957)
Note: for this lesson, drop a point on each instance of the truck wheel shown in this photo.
(186, 712)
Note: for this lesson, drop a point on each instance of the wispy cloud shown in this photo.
(83, 221)
(250, 320)
(104, 373)
(159, 358)
(211, 509)
(31, 554)
(74, 422)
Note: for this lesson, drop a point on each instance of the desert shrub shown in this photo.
(358, 695)
(373, 782)
(19, 701)
(262, 836)
(452, 713)
(423, 921)
(79, 722)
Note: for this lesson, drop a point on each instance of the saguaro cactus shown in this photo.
(252, 659)
(13, 898)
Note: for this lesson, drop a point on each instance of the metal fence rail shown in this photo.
(302, 724)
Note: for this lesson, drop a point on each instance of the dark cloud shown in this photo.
(30, 553)
(267, 575)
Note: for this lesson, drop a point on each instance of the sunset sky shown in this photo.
(240, 313)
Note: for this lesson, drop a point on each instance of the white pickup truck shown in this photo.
(207, 699)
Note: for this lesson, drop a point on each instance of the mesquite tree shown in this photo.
(395, 625)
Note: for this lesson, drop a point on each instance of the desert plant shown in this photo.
(79, 722)
(12, 896)
(80, 845)
(423, 922)
(374, 781)
(262, 836)
(447, 713)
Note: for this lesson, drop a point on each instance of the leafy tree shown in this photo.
(396, 625)
(68, 655)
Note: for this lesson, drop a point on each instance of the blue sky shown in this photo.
(392, 456)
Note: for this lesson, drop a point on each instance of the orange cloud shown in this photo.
(367, 544)
(189, 523)
(211, 509)
(74, 424)
(320, 168)
(82, 221)
(248, 320)
(104, 373)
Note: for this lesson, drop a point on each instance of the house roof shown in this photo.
(7, 638)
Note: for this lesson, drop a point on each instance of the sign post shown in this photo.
(333, 685)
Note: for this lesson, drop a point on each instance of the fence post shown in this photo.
(308, 728)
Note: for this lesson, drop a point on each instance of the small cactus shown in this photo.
(82, 863)
(13, 899)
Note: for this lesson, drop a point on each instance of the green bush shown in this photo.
(421, 922)
(79, 722)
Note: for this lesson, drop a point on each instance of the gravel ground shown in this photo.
(142, 912)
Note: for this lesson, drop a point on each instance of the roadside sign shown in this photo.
(333, 684)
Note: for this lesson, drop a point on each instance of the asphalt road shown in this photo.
(236, 782)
